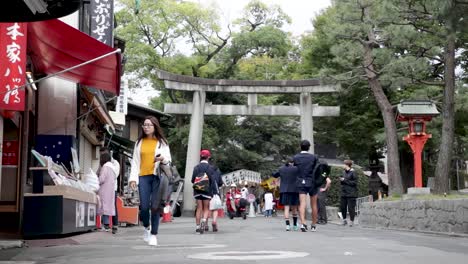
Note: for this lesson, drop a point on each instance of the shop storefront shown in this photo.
(49, 120)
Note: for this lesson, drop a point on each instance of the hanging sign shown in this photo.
(12, 66)
(102, 20)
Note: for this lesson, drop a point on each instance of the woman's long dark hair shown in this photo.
(104, 158)
(158, 133)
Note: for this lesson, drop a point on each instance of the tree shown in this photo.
(260, 34)
(153, 36)
(359, 50)
(444, 24)
(437, 30)
(359, 114)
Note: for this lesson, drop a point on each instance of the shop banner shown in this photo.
(102, 20)
(12, 65)
(10, 152)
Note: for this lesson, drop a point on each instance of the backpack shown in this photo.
(202, 183)
(321, 172)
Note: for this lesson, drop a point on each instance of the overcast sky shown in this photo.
(301, 12)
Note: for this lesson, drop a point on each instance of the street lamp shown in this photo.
(418, 127)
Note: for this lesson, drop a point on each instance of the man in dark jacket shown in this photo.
(289, 197)
(349, 192)
(305, 163)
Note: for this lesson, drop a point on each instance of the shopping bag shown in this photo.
(216, 203)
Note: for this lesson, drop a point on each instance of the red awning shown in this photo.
(54, 46)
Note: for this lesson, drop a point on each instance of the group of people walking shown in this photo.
(152, 156)
(304, 175)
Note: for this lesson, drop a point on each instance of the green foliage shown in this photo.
(334, 193)
(256, 48)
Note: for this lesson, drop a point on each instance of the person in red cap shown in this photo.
(203, 181)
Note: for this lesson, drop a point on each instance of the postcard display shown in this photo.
(59, 203)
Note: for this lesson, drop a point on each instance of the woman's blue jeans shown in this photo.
(148, 186)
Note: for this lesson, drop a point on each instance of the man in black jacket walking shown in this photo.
(305, 183)
(349, 192)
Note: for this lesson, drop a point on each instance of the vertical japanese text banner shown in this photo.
(102, 21)
(12, 65)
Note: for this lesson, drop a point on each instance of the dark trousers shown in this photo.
(322, 206)
(148, 186)
(348, 204)
(115, 218)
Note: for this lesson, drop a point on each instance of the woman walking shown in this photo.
(151, 151)
(106, 189)
(203, 179)
(215, 202)
(289, 197)
(349, 192)
(268, 197)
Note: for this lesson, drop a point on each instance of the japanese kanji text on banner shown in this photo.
(12, 65)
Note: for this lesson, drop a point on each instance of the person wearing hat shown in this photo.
(203, 197)
(234, 193)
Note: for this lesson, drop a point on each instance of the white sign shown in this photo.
(241, 176)
(91, 215)
(80, 214)
(122, 100)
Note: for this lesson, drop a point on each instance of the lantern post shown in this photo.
(417, 113)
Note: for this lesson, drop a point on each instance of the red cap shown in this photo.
(205, 153)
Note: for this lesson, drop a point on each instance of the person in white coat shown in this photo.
(151, 151)
(268, 197)
(116, 169)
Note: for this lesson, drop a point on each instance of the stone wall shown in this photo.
(446, 216)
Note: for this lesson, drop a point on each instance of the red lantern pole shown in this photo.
(417, 143)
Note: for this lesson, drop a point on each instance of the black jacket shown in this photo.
(162, 197)
(288, 176)
(218, 180)
(349, 184)
(305, 162)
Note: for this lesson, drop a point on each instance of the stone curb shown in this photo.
(418, 231)
(8, 244)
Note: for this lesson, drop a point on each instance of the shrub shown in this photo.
(335, 189)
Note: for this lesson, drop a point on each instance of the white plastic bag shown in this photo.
(216, 203)
(91, 179)
(167, 209)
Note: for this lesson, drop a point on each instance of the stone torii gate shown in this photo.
(198, 108)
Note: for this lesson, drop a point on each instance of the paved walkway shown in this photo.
(261, 240)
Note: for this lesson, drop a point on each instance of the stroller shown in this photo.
(236, 206)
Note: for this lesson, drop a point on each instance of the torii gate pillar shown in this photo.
(307, 123)
(193, 149)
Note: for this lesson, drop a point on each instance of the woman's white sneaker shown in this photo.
(146, 234)
(153, 240)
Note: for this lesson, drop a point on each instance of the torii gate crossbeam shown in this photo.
(198, 108)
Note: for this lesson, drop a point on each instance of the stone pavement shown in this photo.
(257, 240)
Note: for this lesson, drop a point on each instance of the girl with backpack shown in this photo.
(203, 180)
